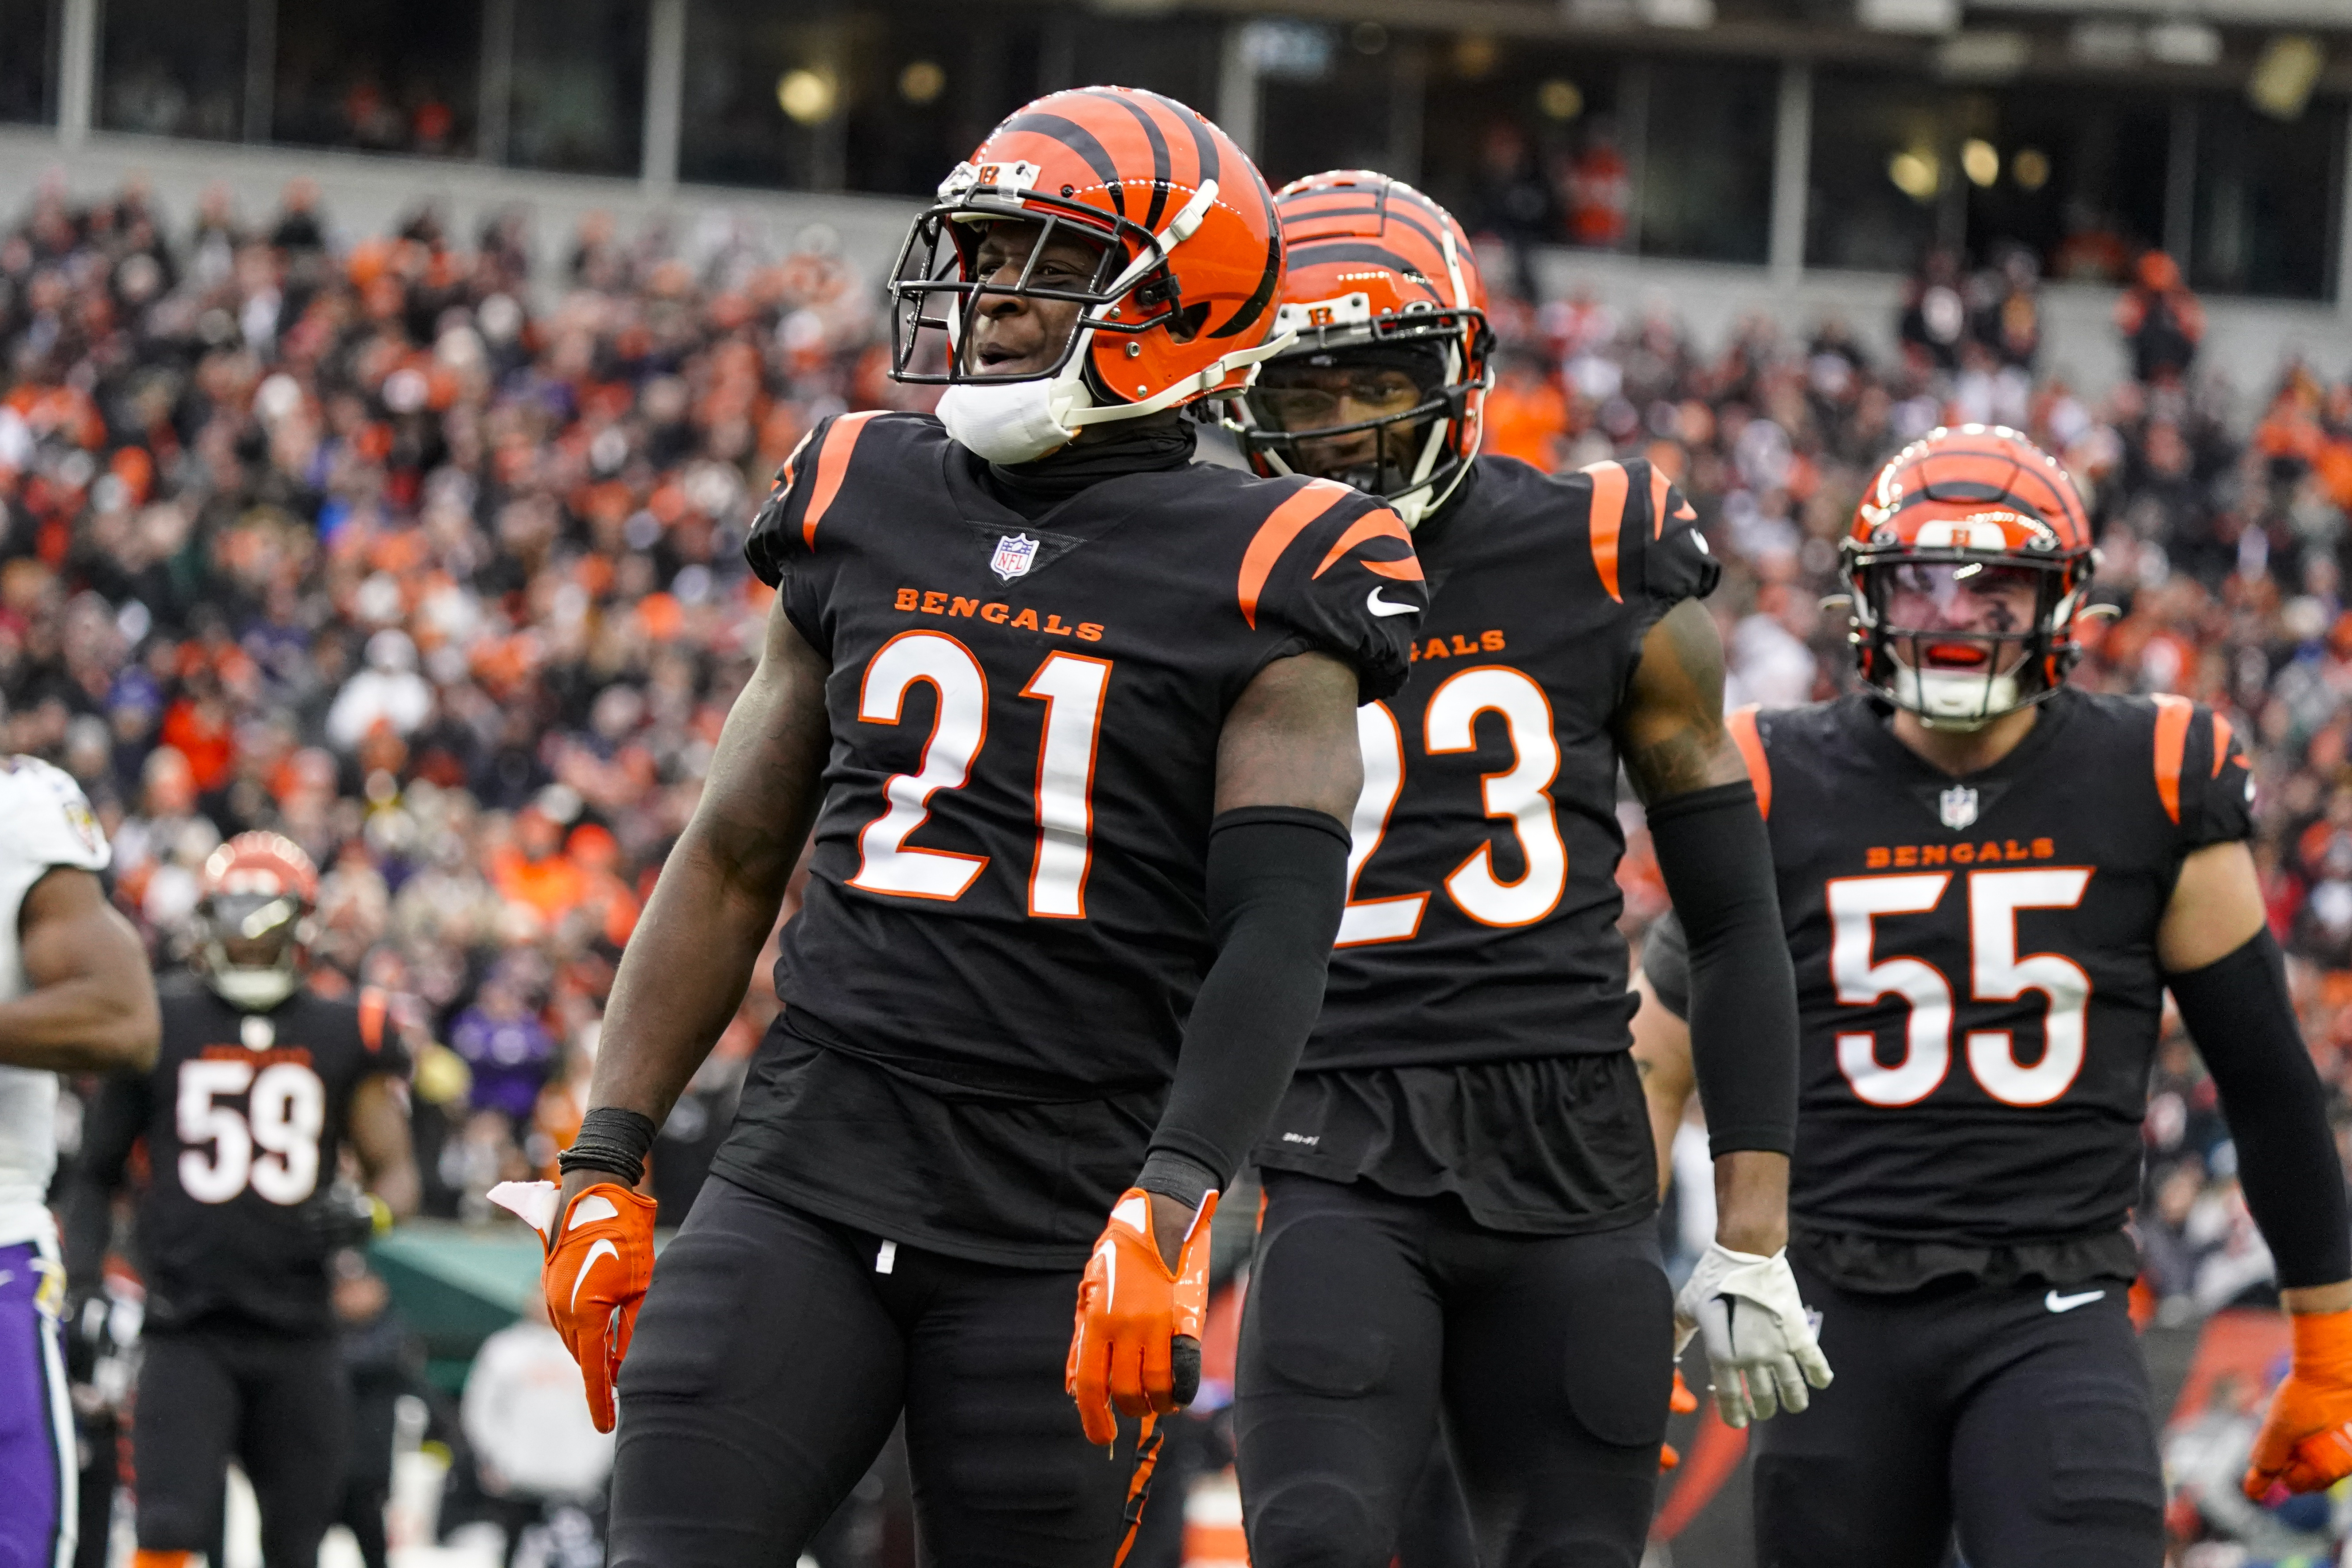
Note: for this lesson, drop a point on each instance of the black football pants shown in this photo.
(2018, 1413)
(1549, 1357)
(774, 1354)
(278, 1406)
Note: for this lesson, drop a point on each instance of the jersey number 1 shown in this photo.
(1071, 685)
(1996, 973)
(1517, 795)
(285, 1110)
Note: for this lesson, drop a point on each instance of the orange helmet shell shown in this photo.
(1181, 288)
(1974, 488)
(267, 865)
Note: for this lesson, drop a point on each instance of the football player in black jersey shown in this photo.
(1074, 722)
(259, 1087)
(1458, 1179)
(1989, 879)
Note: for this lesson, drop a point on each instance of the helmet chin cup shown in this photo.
(255, 990)
(1946, 699)
(1015, 421)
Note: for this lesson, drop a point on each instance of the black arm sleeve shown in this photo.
(1717, 863)
(1277, 880)
(110, 1127)
(2238, 1012)
(1665, 959)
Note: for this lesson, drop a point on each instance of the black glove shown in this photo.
(340, 1215)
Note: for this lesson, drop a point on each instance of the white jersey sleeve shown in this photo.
(45, 823)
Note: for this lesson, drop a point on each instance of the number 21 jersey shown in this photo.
(1976, 957)
(1006, 900)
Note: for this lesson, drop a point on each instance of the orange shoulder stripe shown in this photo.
(832, 464)
(1282, 524)
(373, 1004)
(1741, 722)
(2172, 716)
(2221, 743)
(1381, 524)
(1608, 488)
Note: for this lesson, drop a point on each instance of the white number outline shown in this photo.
(1997, 973)
(1072, 685)
(1366, 921)
(1520, 794)
(885, 863)
(286, 1113)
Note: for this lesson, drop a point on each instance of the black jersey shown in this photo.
(242, 1116)
(1006, 902)
(1479, 970)
(1976, 959)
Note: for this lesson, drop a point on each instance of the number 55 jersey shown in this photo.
(1005, 919)
(1977, 975)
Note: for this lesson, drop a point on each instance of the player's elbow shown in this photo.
(128, 1039)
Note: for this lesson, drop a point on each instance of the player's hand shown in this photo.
(1136, 1349)
(2305, 1442)
(599, 1258)
(1759, 1346)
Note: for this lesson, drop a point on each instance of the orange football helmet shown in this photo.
(1379, 277)
(253, 919)
(1182, 301)
(1968, 559)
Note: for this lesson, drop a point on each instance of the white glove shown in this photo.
(1760, 1345)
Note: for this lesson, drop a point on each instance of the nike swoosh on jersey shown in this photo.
(1380, 606)
(2058, 1303)
(602, 1250)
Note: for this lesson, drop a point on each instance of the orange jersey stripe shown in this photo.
(2221, 743)
(373, 1005)
(1282, 525)
(1381, 524)
(1608, 488)
(1659, 485)
(1741, 722)
(2172, 716)
(832, 464)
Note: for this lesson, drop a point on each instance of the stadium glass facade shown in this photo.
(1809, 146)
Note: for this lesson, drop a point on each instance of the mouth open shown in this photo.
(1955, 655)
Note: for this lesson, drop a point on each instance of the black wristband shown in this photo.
(610, 1140)
(1178, 1176)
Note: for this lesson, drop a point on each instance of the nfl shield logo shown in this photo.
(1957, 806)
(1015, 551)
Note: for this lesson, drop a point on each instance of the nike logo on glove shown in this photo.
(1380, 606)
(2058, 1303)
(602, 1250)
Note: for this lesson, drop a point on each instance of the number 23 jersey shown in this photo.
(1007, 888)
(1976, 957)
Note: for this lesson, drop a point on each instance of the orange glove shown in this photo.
(1681, 1402)
(1137, 1345)
(599, 1258)
(2305, 1442)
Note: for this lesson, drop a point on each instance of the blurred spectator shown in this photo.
(2160, 321)
(538, 1459)
(385, 1364)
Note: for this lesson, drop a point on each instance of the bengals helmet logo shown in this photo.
(1321, 316)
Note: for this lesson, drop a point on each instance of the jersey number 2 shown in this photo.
(1517, 795)
(1996, 973)
(285, 1110)
(1071, 685)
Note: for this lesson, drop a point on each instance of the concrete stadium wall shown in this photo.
(2248, 341)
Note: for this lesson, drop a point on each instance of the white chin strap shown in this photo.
(1021, 421)
(255, 990)
(1947, 699)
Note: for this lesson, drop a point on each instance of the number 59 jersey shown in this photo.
(244, 1117)
(1976, 957)
(1007, 892)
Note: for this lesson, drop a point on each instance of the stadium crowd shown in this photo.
(428, 555)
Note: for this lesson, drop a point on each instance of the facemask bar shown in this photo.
(937, 292)
(2032, 677)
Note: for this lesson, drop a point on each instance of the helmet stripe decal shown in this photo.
(1078, 140)
(1325, 252)
(2172, 716)
(1158, 156)
(1282, 524)
(1255, 306)
(1608, 517)
(1205, 145)
(1396, 216)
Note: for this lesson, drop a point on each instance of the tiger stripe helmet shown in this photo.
(1183, 302)
(1374, 266)
(1969, 498)
(253, 919)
